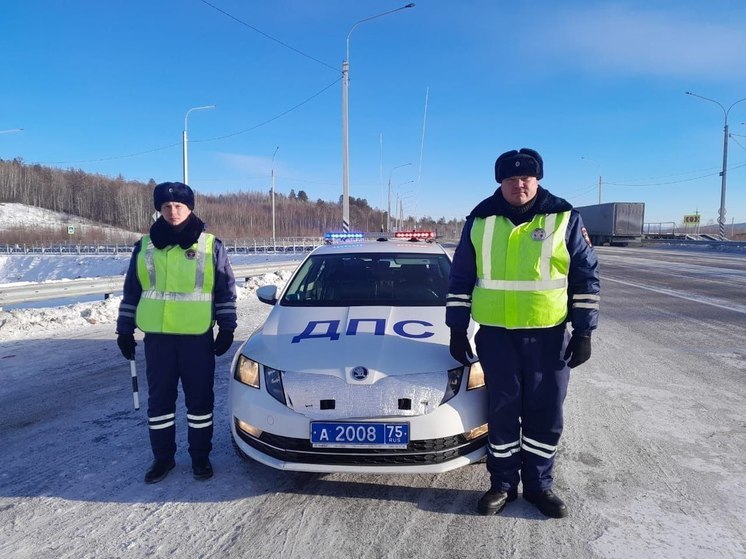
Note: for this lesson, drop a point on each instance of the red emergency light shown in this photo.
(423, 235)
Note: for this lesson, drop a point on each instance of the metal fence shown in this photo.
(258, 246)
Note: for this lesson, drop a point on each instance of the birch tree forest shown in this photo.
(233, 217)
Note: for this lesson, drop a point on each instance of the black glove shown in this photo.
(461, 347)
(223, 342)
(126, 343)
(578, 350)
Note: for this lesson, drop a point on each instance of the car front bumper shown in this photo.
(451, 436)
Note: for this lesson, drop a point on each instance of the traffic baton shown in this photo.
(135, 392)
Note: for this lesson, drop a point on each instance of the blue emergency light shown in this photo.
(349, 236)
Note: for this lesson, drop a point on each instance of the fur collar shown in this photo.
(164, 235)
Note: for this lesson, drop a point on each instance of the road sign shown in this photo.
(70, 229)
(693, 219)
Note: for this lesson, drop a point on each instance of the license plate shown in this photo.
(359, 435)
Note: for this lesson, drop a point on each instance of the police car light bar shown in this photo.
(329, 237)
(415, 234)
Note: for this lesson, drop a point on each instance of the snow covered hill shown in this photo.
(14, 215)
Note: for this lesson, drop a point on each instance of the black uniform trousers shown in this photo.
(170, 357)
(527, 382)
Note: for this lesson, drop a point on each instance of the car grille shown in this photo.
(306, 392)
(432, 451)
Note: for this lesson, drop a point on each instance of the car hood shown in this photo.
(384, 340)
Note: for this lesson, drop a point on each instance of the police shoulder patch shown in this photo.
(584, 232)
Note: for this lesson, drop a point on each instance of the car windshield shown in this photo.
(377, 279)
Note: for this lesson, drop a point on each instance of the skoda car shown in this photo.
(351, 371)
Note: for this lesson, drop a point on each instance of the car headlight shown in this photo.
(476, 376)
(247, 372)
(454, 383)
(273, 382)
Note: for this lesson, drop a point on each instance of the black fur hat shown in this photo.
(523, 163)
(173, 192)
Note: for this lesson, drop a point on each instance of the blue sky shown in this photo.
(436, 93)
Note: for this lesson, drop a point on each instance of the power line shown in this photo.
(113, 157)
(271, 119)
(673, 182)
(737, 142)
(278, 41)
(169, 146)
(579, 193)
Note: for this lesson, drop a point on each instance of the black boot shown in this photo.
(547, 502)
(202, 469)
(158, 470)
(495, 500)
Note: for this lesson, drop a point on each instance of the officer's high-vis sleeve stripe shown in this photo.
(458, 300)
(162, 421)
(540, 449)
(585, 301)
(225, 308)
(504, 450)
(127, 310)
(199, 421)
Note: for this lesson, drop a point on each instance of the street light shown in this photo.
(388, 214)
(274, 243)
(600, 178)
(400, 197)
(721, 211)
(184, 142)
(345, 135)
(11, 130)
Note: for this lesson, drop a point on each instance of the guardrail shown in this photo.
(695, 242)
(260, 246)
(109, 285)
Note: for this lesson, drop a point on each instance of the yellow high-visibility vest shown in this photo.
(521, 271)
(177, 287)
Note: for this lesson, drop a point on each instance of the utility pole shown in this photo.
(723, 173)
(274, 242)
(345, 110)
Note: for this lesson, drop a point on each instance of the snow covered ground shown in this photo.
(38, 318)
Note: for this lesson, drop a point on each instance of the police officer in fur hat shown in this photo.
(178, 285)
(525, 271)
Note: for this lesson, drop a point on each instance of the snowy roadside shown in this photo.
(42, 322)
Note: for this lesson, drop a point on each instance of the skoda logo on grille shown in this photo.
(359, 373)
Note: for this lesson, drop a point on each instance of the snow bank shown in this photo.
(36, 323)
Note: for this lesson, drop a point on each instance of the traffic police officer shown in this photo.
(179, 283)
(523, 269)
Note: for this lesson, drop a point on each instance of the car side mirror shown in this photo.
(267, 294)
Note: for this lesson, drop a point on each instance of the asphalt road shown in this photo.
(651, 463)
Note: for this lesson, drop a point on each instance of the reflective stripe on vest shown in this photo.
(521, 271)
(177, 287)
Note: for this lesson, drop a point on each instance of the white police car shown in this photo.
(351, 370)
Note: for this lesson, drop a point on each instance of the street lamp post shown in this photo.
(721, 211)
(400, 197)
(600, 178)
(388, 213)
(11, 130)
(274, 243)
(345, 134)
(184, 140)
